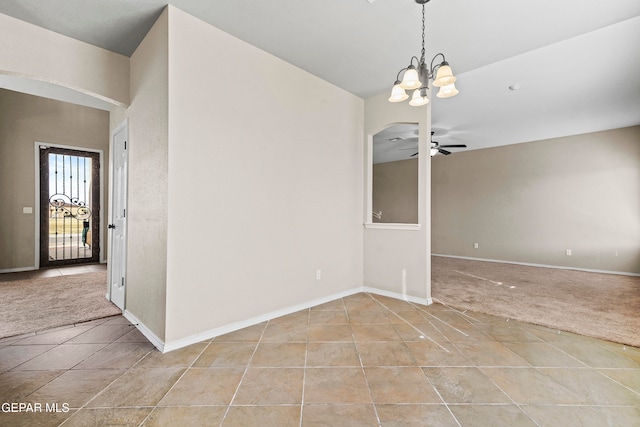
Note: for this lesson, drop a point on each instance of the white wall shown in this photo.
(390, 255)
(531, 202)
(265, 178)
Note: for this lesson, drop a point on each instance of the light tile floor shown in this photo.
(363, 360)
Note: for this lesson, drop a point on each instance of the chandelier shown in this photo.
(416, 77)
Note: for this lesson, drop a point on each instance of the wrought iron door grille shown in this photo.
(70, 216)
(69, 179)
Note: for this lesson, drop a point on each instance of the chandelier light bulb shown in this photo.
(410, 80)
(419, 99)
(397, 93)
(444, 76)
(447, 91)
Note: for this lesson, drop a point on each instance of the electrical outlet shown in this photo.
(318, 274)
(568, 252)
(475, 246)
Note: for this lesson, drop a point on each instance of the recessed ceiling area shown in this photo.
(575, 62)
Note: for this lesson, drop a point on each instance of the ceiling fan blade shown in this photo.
(414, 154)
(445, 152)
(455, 146)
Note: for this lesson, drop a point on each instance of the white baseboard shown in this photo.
(153, 338)
(212, 333)
(390, 294)
(560, 267)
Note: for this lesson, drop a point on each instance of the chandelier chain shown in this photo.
(423, 51)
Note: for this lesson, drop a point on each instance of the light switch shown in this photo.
(27, 210)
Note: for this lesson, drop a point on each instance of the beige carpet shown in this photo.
(39, 304)
(603, 306)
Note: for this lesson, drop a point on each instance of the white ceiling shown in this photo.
(576, 61)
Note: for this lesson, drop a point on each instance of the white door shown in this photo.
(118, 224)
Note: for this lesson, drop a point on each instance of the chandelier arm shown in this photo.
(406, 68)
(433, 69)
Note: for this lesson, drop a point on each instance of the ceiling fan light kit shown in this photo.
(416, 77)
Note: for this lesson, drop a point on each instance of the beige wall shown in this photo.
(265, 178)
(218, 230)
(25, 119)
(395, 191)
(148, 201)
(531, 202)
(398, 260)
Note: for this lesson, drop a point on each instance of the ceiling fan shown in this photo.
(437, 148)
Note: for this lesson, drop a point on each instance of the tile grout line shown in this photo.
(552, 344)
(304, 371)
(446, 323)
(493, 382)
(246, 369)
(175, 382)
(598, 370)
(64, 370)
(55, 346)
(444, 402)
(462, 313)
(418, 365)
(364, 372)
(528, 333)
(422, 334)
(518, 405)
(84, 406)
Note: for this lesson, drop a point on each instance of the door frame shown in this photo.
(36, 148)
(124, 125)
